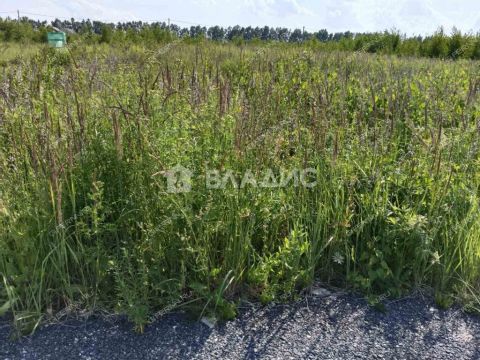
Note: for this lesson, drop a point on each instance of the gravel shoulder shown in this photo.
(340, 326)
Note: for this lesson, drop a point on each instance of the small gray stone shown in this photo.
(320, 292)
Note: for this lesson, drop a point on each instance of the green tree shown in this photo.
(437, 45)
(456, 44)
(106, 34)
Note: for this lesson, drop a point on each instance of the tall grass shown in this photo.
(87, 135)
(11, 52)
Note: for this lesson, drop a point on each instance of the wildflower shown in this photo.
(338, 258)
(435, 258)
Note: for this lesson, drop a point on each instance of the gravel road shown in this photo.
(339, 326)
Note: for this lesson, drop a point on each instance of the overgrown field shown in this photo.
(88, 137)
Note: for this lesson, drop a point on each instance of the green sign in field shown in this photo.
(57, 39)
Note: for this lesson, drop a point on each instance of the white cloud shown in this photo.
(78, 9)
(280, 8)
(410, 16)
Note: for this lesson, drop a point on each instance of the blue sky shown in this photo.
(408, 16)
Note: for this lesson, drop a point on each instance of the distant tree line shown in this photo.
(439, 45)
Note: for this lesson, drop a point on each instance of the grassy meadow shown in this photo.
(88, 135)
(15, 52)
